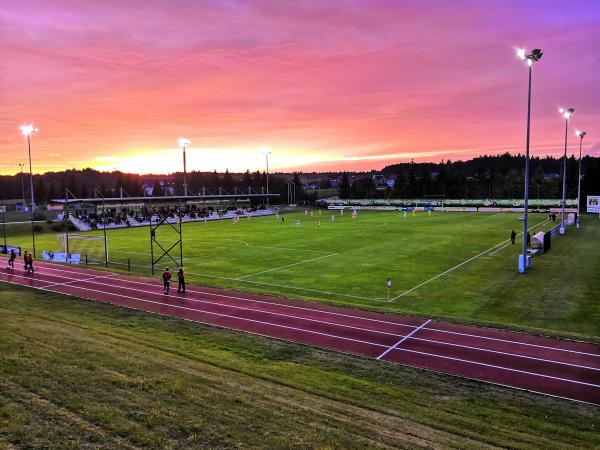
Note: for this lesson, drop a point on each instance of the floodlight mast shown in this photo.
(566, 113)
(26, 130)
(183, 143)
(581, 135)
(534, 56)
(265, 151)
(22, 184)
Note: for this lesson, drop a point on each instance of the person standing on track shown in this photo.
(181, 281)
(29, 262)
(11, 260)
(166, 276)
(513, 237)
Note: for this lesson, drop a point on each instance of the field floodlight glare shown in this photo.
(28, 129)
(566, 113)
(580, 134)
(534, 56)
(265, 151)
(183, 142)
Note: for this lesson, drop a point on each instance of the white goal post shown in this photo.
(92, 248)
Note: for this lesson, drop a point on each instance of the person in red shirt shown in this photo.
(181, 280)
(30, 262)
(166, 276)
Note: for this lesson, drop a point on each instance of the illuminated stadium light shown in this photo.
(266, 152)
(183, 143)
(566, 113)
(534, 56)
(26, 130)
(581, 135)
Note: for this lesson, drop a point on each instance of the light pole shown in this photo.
(532, 57)
(27, 130)
(22, 184)
(267, 152)
(183, 143)
(581, 135)
(566, 114)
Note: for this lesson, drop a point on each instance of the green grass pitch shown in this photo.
(451, 265)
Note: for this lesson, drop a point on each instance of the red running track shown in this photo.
(549, 366)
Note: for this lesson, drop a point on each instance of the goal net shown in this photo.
(91, 248)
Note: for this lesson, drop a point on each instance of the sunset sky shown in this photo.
(324, 84)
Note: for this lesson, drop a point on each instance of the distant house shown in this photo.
(311, 186)
(167, 186)
(551, 175)
(382, 180)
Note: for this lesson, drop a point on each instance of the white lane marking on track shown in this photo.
(460, 265)
(404, 337)
(393, 347)
(311, 332)
(359, 317)
(287, 265)
(66, 283)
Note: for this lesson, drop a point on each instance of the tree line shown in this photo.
(494, 177)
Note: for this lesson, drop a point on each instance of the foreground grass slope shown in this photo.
(75, 374)
(347, 262)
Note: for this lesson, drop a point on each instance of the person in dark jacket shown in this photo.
(181, 281)
(513, 237)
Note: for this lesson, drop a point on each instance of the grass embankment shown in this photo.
(347, 262)
(76, 374)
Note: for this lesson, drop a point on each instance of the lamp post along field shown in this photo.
(566, 113)
(532, 57)
(581, 135)
(22, 184)
(267, 152)
(183, 143)
(27, 130)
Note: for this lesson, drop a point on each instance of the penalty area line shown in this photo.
(287, 265)
(462, 263)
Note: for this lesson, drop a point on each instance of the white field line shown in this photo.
(275, 248)
(167, 305)
(403, 339)
(368, 319)
(501, 248)
(287, 265)
(76, 281)
(325, 322)
(460, 264)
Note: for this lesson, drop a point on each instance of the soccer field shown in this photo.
(456, 265)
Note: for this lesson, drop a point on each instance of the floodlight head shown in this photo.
(183, 142)
(265, 151)
(580, 134)
(535, 55)
(28, 129)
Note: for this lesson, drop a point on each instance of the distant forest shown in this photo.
(495, 177)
